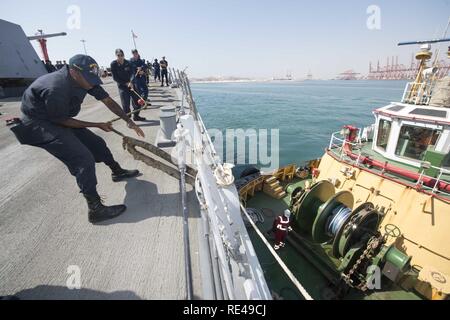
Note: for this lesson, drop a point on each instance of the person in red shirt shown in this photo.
(281, 228)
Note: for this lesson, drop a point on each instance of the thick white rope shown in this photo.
(291, 276)
(224, 175)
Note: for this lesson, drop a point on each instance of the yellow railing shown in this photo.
(255, 185)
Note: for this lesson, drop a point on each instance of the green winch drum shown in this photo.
(294, 189)
(363, 221)
(397, 258)
(291, 187)
(319, 193)
(325, 212)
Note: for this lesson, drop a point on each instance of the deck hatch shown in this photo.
(430, 112)
(396, 108)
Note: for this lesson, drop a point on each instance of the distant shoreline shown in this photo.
(249, 81)
(229, 81)
(285, 81)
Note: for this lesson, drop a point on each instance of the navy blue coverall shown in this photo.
(139, 81)
(164, 74)
(156, 71)
(122, 74)
(50, 99)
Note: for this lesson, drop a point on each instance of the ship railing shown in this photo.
(337, 147)
(418, 93)
(439, 179)
(236, 270)
(183, 81)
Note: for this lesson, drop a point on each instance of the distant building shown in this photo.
(288, 77)
(348, 75)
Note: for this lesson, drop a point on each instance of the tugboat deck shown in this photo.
(303, 260)
(44, 228)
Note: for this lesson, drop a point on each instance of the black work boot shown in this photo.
(137, 117)
(98, 212)
(119, 174)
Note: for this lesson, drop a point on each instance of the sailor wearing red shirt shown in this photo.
(281, 227)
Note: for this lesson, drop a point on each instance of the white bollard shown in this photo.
(168, 124)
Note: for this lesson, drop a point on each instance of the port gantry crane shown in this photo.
(42, 39)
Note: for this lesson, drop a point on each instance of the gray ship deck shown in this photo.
(44, 227)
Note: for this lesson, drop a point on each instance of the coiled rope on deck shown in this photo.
(256, 215)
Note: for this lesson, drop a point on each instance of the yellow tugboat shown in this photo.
(371, 218)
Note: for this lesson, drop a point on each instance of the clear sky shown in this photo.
(254, 38)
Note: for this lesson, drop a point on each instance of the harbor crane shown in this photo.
(42, 39)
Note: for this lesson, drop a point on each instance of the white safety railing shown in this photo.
(240, 272)
(439, 179)
(337, 146)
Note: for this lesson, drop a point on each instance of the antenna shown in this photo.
(439, 47)
(423, 42)
(84, 46)
(421, 90)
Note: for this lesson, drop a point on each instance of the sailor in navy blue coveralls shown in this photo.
(122, 72)
(48, 107)
(139, 75)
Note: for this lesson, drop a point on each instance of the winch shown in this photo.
(348, 235)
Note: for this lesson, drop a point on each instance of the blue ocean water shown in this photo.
(306, 113)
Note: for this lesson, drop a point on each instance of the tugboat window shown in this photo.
(446, 161)
(413, 142)
(384, 128)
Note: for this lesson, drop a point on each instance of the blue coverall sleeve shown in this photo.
(98, 93)
(114, 72)
(133, 70)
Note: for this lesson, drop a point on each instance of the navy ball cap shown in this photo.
(88, 68)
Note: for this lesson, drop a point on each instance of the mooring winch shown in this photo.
(306, 208)
(331, 216)
(360, 225)
(326, 216)
(352, 235)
